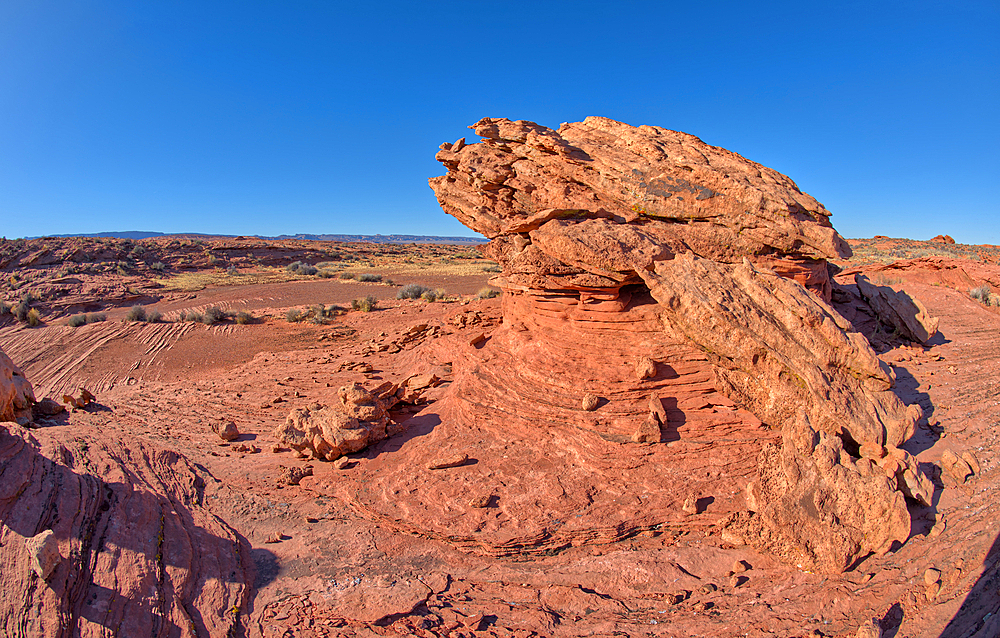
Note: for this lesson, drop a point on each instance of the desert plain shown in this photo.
(604, 422)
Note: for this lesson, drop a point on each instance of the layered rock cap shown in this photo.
(655, 244)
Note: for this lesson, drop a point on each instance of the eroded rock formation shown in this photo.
(621, 246)
(16, 394)
(101, 535)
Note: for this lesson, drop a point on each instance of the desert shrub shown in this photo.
(136, 313)
(231, 271)
(981, 293)
(293, 315)
(34, 318)
(432, 295)
(138, 250)
(23, 307)
(411, 291)
(214, 315)
(327, 274)
(493, 268)
(195, 317)
(4, 308)
(243, 317)
(364, 304)
(181, 316)
(369, 277)
(153, 316)
(487, 293)
(347, 275)
(96, 317)
(213, 260)
(158, 266)
(301, 268)
(77, 320)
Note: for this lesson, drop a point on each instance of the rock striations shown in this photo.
(659, 289)
(104, 536)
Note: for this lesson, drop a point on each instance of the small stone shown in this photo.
(43, 548)
(450, 461)
(648, 431)
(342, 463)
(932, 576)
(932, 590)
(869, 629)
(690, 505)
(292, 475)
(276, 537)
(645, 369)
(938, 528)
(740, 566)
(477, 339)
(970, 458)
(708, 588)
(226, 430)
(480, 502)
(589, 402)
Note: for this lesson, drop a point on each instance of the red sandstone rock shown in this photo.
(226, 430)
(329, 432)
(16, 394)
(653, 245)
(944, 239)
(898, 309)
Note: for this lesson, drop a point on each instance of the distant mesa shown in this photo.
(372, 239)
(944, 239)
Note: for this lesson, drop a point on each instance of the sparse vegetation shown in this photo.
(981, 293)
(364, 304)
(136, 313)
(243, 317)
(4, 308)
(158, 266)
(369, 277)
(491, 268)
(411, 291)
(433, 295)
(301, 268)
(487, 293)
(23, 308)
(34, 318)
(294, 315)
(214, 315)
(347, 275)
(78, 320)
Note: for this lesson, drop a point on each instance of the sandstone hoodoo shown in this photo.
(689, 288)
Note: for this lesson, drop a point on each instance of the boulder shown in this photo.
(898, 309)
(328, 432)
(654, 247)
(16, 394)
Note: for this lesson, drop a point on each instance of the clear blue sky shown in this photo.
(324, 117)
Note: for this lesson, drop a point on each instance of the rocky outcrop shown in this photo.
(898, 309)
(104, 536)
(330, 431)
(681, 263)
(16, 394)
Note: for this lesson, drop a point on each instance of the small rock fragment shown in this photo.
(740, 566)
(226, 430)
(938, 528)
(690, 505)
(932, 576)
(589, 402)
(292, 475)
(343, 463)
(276, 537)
(47, 407)
(869, 629)
(43, 548)
(708, 588)
(970, 458)
(932, 590)
(954, 466)
(450, 461)
(648, 431)
(477, 339)
(480, 502)
(79, 400)
(645, 369)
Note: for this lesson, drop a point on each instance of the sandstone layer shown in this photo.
(619, 244)
(107, 536)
